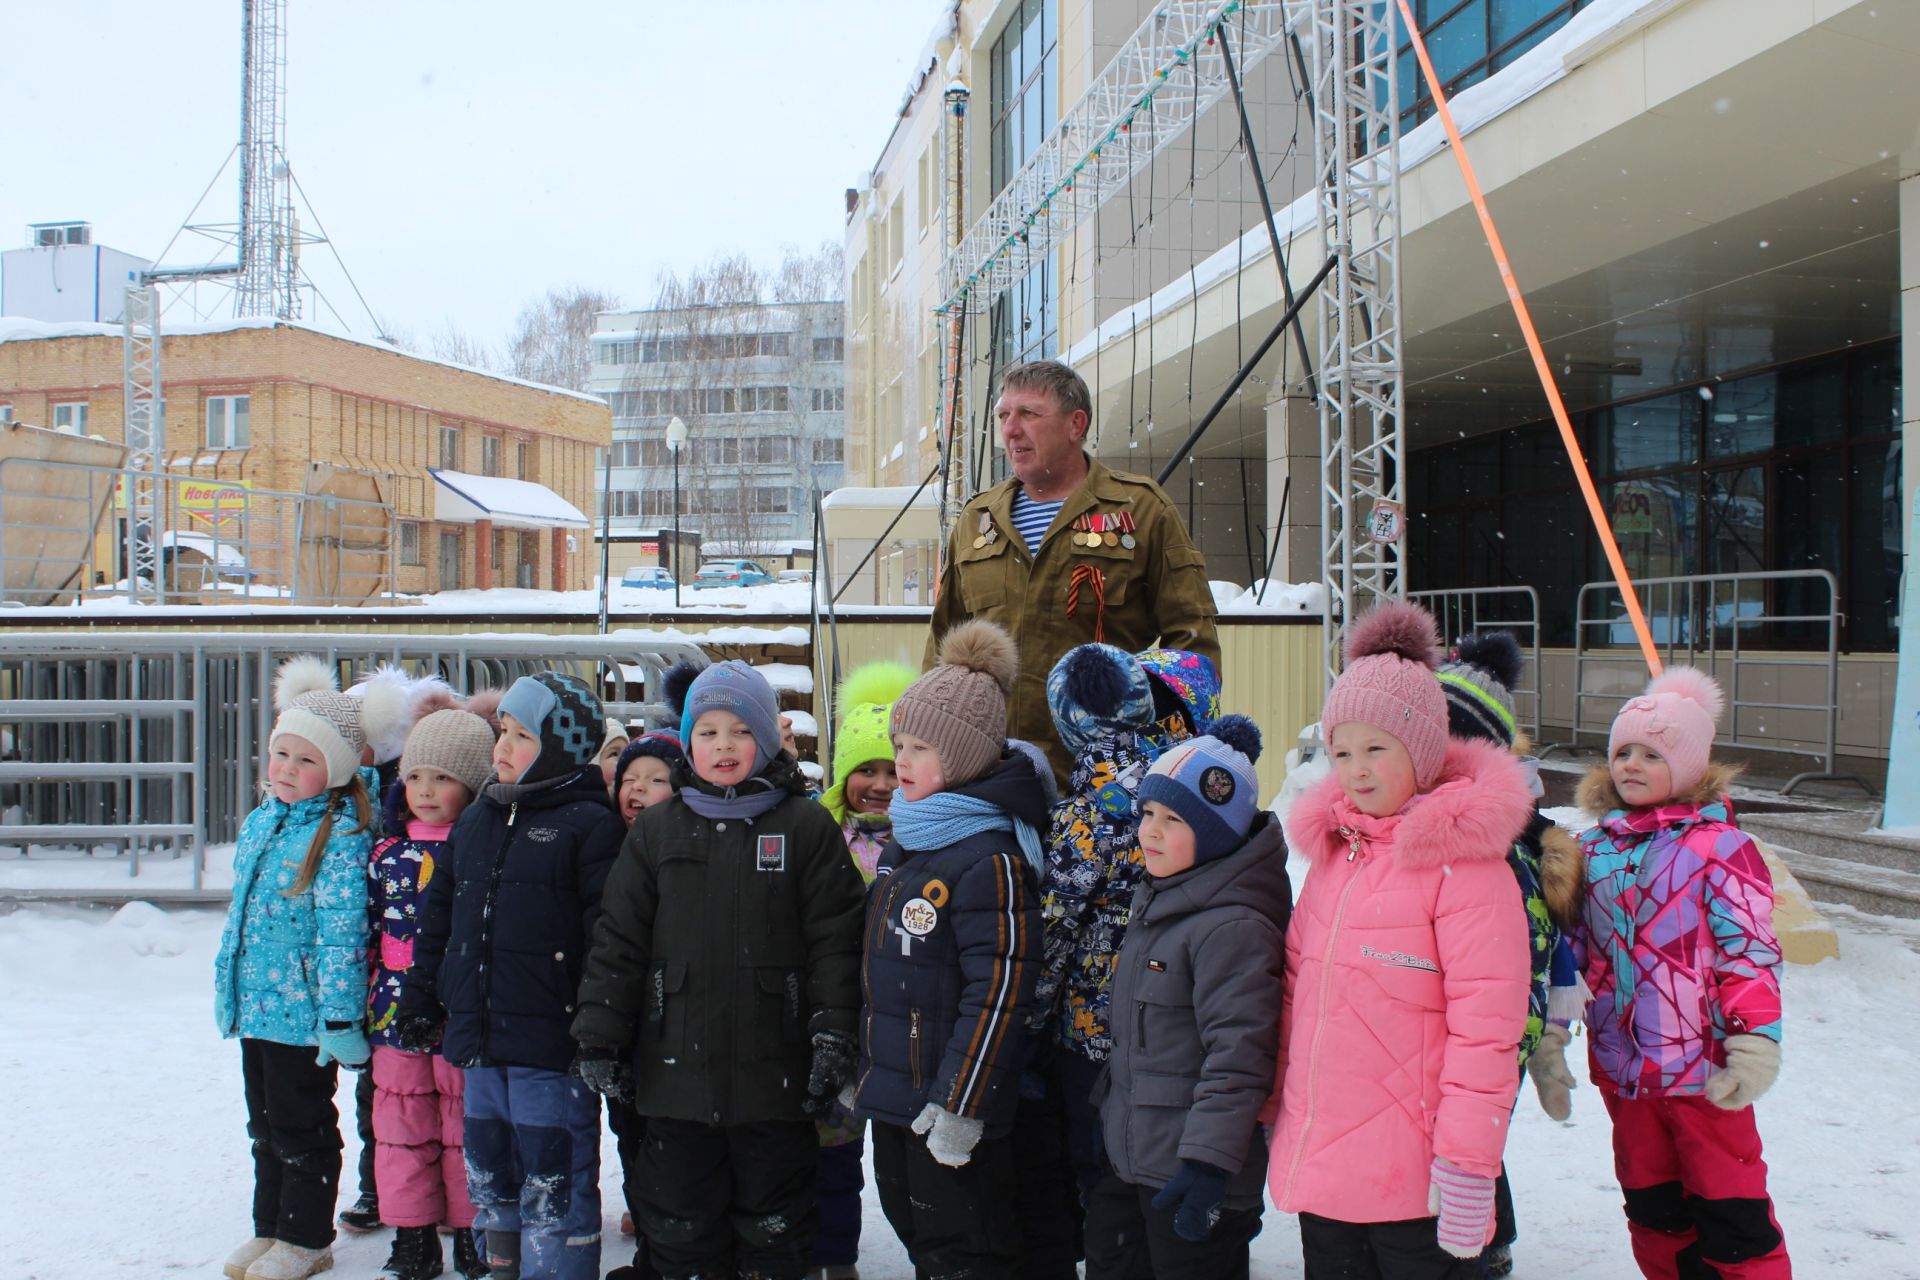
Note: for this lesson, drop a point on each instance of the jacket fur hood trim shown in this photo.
(1563, 876)
(1478, 807)
(1598, 797)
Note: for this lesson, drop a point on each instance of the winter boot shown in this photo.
(467, 1262)
(415, 1255)
(362, 1215)
(240, 1259)
(503, 1254)
(290, 1262)
(1498, 1260)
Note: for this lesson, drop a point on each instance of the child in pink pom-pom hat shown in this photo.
(1677, 946)
(1407, 974)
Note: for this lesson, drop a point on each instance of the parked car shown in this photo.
(796, 575)
(647, 576)
(731, 573)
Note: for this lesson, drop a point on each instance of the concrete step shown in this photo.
(1885, 891)
(1846, 835)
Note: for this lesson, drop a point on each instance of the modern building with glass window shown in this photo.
(761, 390)
(1706, 202)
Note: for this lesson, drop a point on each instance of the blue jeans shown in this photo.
(533, 1167)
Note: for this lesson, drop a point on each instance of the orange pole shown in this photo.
(1539, 352)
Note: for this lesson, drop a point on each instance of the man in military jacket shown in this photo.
(1068, 551)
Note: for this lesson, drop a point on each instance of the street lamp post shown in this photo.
(606, 529)
(676, 440)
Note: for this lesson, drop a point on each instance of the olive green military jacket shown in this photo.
(1155, 591)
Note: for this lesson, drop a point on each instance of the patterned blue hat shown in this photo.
(564, 714)
(1211, 784)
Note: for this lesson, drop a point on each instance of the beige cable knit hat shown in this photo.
(960, 706)
(457, 743)
(311, 706)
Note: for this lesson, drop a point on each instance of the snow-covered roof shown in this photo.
(765, 547)
(513, 504)
(221, 551)
(884, 498)
(23, 329)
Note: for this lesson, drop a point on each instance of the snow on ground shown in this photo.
(126, 1153)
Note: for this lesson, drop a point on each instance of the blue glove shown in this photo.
(342, 1042)
(1199, 1190)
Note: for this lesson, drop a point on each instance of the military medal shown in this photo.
(986, 530)
(1125, 519)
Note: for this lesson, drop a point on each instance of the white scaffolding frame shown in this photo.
(269, 240)
(146, 437)
(1356, 115)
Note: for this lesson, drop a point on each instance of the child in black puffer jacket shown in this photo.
(498, 960)
(726, 965)
(952, 955)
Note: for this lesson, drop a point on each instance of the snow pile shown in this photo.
(804, 725)
(1224, 593)
(1292, 598)
(787, 677)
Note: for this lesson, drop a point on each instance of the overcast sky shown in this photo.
(464, 156)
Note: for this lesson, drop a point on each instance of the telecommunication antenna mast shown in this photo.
(265, 275)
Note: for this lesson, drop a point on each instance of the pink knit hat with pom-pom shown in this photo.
(1676, 717)
(1389, 684)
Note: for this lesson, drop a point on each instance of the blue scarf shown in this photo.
(946, 817)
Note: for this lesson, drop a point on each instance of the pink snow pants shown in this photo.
(419, 1161)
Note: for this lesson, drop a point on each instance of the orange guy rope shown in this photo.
(1525, 317)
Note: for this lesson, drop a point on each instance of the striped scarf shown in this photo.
(947, 817)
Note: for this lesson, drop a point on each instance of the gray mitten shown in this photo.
(950, 1138)
(1552, 1079)
(1752, 1064)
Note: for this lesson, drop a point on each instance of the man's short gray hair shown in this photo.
(1068, 388)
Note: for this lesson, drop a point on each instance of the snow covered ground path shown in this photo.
(124, 1154)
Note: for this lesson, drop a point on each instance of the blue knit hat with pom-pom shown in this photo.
(1210, 783)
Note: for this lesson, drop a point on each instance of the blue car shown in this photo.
(647, 576)
(730, 573)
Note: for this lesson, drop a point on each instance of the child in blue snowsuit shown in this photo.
(498, 961)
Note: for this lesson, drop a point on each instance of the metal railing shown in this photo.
(1714, 621)
(62, 539)
(1460, 611)
(149, 742)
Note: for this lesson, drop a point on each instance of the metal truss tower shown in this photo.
(140, 376)
(1356, 111)
(268, 237)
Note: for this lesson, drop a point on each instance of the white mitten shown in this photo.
(1553, 1080)
(1752, 1064)
(950, 1138)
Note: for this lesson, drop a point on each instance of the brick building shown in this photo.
(487, 477)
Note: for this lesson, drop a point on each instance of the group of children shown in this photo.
(1093, 1026)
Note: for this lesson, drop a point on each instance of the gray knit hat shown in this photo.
(457, 743)
(960, 707)
(311, 706)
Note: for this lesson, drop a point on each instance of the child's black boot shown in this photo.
(415, 1255)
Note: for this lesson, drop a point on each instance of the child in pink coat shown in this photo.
(1678, 948)
(1406, 976)
(418, 1098)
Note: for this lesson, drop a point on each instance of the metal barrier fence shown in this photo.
(1714, 621)
(62, 538)
(153, 743)
(1463, 610)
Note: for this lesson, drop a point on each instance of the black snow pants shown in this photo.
(296, 1141)
(954, 1222)
(718, 1200)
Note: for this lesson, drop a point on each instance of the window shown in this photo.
(713, 346)
(490, 455)
(410, 552)
(1469, 40)
(896, 236)
(6, 413)
(499, 545)
(829, 350)
(617, 352)
(449, 560)
(770, 501)
(766, 450)
(449, 448)
(626, 502)
(928, 196)
(834, 451)
(227, 422)
(527, 572)
(523, 459)
(765, 399)
(1794, 467)
(1024, 68)
(828, 400)
(71, 416)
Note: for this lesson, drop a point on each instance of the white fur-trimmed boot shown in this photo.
(235, 1267)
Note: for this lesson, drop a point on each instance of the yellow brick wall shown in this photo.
(316, 399)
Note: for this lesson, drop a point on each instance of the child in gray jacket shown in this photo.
(1196, 1019)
